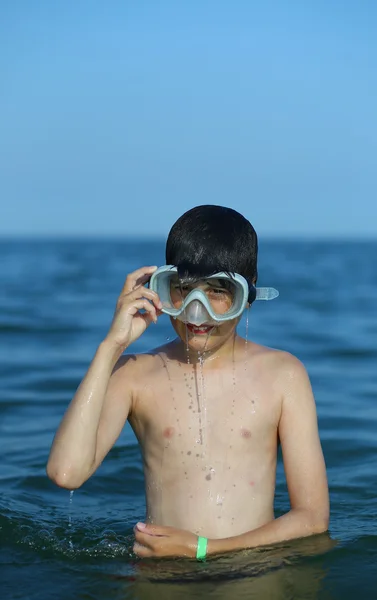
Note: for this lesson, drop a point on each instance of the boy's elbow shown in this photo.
(320, 521)
(63, 479)
(323, 524)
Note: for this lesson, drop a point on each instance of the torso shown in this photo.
(208, 435)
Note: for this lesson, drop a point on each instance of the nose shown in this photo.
(195, 313)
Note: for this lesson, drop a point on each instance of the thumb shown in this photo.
(148, 318)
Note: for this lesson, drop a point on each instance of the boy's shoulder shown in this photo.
(278, 362)
(143, 362)
(283, 373)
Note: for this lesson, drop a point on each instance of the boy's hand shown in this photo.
(159, 542)
(128, 322)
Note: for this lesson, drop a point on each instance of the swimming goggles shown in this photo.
(212, 300)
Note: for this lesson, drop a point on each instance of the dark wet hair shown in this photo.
(208, 239)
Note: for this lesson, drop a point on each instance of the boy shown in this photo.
(208, 409)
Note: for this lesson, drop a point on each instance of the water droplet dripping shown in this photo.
(246, 336)
(70, 517)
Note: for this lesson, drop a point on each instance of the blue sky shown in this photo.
(118, 116)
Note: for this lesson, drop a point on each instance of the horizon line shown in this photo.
(119, 237)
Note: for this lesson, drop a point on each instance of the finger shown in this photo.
(141, 292)
(147, 318)
(143, 304)
(141, 550)
(152, 530)
(144, 540)
(137, 279)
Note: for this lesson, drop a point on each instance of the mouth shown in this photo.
(199, 329)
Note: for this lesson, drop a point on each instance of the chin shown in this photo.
(203, 343)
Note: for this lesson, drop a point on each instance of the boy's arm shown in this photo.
(304, 467)
(93, 421)
(101, 405)
(305, 473)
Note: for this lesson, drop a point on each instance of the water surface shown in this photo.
(56, 303)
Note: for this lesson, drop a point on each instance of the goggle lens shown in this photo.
(220, 293)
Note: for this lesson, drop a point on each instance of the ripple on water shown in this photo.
(56, 303)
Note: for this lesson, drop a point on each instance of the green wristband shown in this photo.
(201, 549)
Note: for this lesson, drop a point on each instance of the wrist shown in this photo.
(218, 546)
(201, 548)
(110, 350)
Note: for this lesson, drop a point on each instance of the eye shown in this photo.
(218, 291)
(179, 287)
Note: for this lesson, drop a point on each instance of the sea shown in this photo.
(57, 299)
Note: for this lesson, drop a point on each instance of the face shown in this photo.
(206, 337)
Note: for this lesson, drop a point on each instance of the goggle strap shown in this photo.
(266, 293)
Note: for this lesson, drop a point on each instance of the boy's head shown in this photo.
(209, 239)
(206, 240)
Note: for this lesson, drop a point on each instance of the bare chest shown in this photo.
(210, 418)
